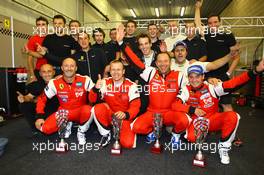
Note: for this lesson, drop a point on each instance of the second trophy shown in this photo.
(157, 129)
(116, 149)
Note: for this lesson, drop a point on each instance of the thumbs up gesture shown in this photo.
(20, 97)
(99, 82)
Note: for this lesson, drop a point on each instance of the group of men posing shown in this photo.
(134, 78)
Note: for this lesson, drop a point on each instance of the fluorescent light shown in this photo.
(157, 12)
(133, 13)
(182, 11)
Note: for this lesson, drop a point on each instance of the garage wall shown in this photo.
(246, 8)
(24, 20)
(91, 16)
(21, 35)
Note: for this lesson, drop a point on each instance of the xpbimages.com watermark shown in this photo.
(43, 31)
(41, 147)
(182, 146)
(172, 31)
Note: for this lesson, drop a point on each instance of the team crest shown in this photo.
(156, 76)
(61, 86)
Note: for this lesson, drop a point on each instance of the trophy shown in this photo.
(201, 126)
(116, 149)
(157, 147)
(62, 120)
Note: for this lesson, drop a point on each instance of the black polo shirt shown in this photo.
(196, 48)
(105, 49)
(156, 46)
(218, 46)
(113, 48)
(36, 88)
(91, 63)
(60, 46)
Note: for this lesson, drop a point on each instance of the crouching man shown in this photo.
(121, 98)
(71, 90)
(201, 99)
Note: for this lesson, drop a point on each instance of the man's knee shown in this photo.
(182, 122)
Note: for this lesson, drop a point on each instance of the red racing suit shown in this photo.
(162, 93)
(206, 97)
(72, 97)
(125, 98)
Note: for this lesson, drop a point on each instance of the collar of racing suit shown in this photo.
(194, 89)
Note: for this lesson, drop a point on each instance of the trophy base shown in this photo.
(156, 150)
(116, 152)
(199, 163)
(62, 148)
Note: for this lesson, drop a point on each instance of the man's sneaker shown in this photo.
(175, 141)
(105, 140)
(223, 153)
(81, 137)
(150, 138)
(68, 130)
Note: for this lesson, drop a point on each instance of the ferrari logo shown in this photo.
(7, 23)
(61, 86)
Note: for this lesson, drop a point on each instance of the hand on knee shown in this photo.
(39, 123)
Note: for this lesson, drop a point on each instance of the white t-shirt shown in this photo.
(184, 67)
(170, 41)
(148, 60)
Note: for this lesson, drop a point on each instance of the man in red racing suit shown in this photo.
(71, 91)
(200, 99)
(163, 86)
(121, 98)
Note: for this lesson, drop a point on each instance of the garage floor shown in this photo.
(21, 157)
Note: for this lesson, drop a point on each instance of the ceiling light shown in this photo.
(133, 13)
(182, 11)
(157, 12)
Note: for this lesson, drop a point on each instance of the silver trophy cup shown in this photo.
(62, 120)
(201, 126)
(116, 149)
(157, 128)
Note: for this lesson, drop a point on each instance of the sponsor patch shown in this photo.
(206, 95)
(79, 84)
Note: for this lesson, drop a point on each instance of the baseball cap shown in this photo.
(179, 43)
(195, 69)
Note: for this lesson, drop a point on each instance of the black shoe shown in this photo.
(237, 142)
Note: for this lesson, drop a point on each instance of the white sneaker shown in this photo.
(223, 152)
(81, 137)
(175, 140)
(68, 130)
(105, 140)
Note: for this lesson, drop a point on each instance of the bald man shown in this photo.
(71, 90)
(28, 101)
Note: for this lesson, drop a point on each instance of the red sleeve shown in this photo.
(93, 95)
(178, 106)
(237, 80)
(41, 103)
(31, 44)
(133, 109)
(132, 57)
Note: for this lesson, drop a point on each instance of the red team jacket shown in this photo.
(70, 96)
(206, 97)
(124, 98)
